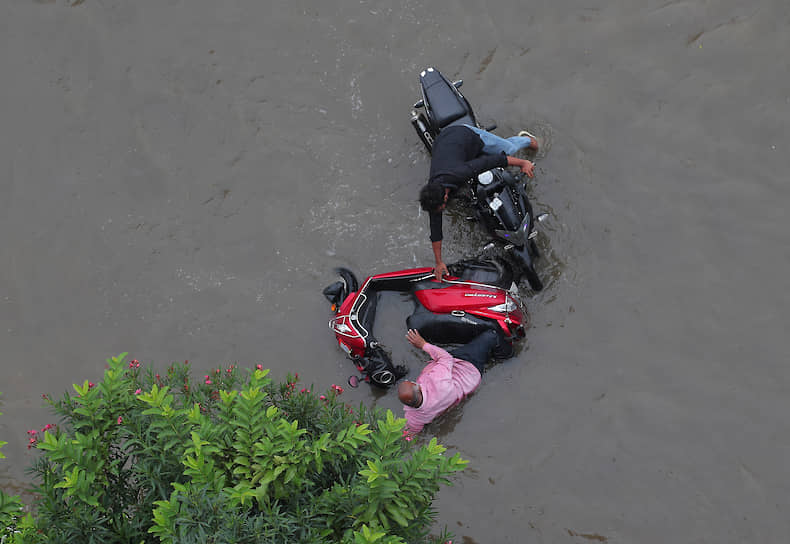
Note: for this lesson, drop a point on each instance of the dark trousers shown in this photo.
(478, 350)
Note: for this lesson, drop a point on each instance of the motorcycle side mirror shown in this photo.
(353, 381)
(457, 84)
(419, 104)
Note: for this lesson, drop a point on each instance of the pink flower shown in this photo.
(259, 367)
(322, 397)
(304, 390)
(138, 391)
(208, 382)
(296, 376)
(32, 432)
(337, 388)
(120, 420)
(158, 377)
(47, 427)
(90, 385)
(31, 443)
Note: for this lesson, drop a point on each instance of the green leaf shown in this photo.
(396, 514)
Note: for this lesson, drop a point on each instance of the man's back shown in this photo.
(445, 381)
(454, 146)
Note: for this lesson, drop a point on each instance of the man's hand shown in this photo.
(415, 339)
(440, 270)
(528, 167)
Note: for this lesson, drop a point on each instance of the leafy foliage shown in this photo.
(141, 457)
(10, 506)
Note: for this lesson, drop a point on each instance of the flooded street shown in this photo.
(180, 178)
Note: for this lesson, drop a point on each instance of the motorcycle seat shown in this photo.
(447, 107)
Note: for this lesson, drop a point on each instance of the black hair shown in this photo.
(431, 197)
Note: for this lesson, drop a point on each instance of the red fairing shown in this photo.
(345, 307)
(459, 297)
(474, 301)
(347, 336)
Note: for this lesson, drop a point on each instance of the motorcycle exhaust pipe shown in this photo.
(421, 128)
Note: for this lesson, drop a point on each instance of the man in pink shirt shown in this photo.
(447, 379)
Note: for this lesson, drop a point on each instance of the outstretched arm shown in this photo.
(441, 268)
(438, 354)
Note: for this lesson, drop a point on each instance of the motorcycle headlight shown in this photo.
(507, 306)
(518, 237)
(486, 177)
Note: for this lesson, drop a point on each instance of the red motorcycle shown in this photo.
(477, 296)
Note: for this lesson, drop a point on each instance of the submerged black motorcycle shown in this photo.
(499, 197)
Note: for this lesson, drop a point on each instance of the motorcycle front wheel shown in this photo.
(527, 268)
(532, 277)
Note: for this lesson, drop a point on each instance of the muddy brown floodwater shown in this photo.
(179, 178)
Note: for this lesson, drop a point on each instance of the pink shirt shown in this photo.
(444, 382)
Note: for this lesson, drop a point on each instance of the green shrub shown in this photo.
(141, 457)
(10, 506)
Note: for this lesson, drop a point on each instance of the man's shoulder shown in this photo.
(455, 131)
